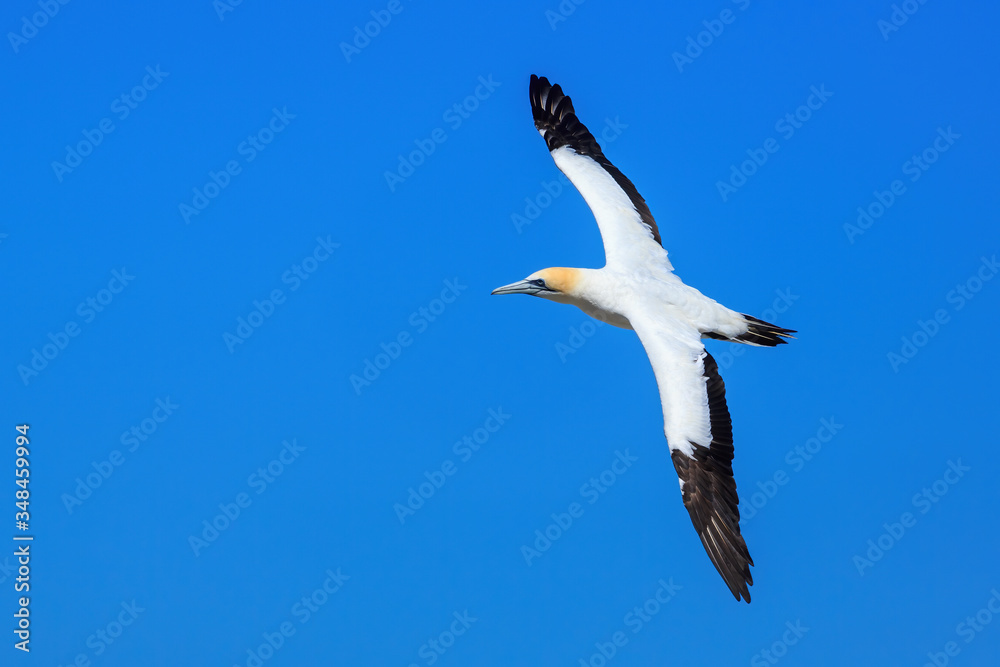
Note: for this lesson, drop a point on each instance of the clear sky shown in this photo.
(277, 419)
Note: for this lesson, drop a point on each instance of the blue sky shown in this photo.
(276, 418)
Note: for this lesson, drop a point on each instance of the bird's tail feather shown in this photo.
(759, 333)
(763, 333)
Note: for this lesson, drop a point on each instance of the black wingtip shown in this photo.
(709, 494)
(553, 113)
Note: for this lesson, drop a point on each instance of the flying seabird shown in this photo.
(637, 289)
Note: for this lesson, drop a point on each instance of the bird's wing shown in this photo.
(627, 226)
(700, 436)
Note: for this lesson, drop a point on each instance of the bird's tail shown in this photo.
(763, 333)
(759, 333)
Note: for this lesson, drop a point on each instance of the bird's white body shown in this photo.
(637, 289)
(609, 294)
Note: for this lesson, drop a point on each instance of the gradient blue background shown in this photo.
(451, 220)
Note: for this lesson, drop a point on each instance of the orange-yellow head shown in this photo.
(547, 283)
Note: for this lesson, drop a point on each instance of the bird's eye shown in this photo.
(538, 281)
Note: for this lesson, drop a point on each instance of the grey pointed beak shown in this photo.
(520, 287)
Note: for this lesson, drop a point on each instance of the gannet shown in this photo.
(637, 289)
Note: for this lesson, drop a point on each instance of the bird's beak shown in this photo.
(520, 287)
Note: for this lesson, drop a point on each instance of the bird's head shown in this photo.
(556, 284)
